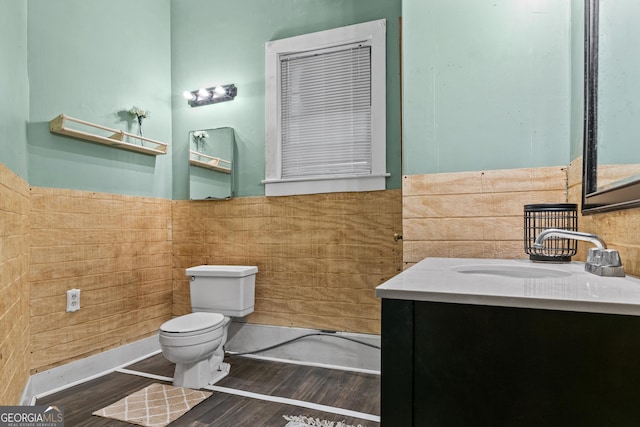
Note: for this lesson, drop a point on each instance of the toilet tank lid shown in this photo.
(222, 270)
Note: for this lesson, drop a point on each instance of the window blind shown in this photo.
(326, 112)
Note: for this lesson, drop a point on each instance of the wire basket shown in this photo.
(540, 217)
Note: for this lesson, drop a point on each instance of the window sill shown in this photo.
(317, 185)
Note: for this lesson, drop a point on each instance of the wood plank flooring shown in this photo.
(342, 389)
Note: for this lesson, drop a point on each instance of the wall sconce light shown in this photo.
(211, 95)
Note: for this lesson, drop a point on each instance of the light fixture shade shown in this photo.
(211, 95)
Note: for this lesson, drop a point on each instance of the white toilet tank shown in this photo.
(225, 289)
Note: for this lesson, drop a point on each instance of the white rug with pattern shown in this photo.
(154, 406)
(295, 421)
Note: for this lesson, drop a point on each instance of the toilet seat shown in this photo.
(192, 324)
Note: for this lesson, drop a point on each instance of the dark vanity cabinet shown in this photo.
(450, 364)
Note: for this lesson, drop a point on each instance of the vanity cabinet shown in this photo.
(468, 364)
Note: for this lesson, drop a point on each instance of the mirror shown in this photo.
(211, 153)
(611, 169)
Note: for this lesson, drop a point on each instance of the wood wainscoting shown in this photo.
(117, 250)
(319, 257)
(474, 214)
(14, 285)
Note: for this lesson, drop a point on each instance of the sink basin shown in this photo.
(512, 271)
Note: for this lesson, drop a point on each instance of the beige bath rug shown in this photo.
(295, 421)
(154, 406)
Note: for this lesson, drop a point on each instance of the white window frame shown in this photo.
(373, 32)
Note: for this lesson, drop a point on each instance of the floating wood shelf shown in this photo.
(209, 162)
(116, 139)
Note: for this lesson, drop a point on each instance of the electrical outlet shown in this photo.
(73, 300)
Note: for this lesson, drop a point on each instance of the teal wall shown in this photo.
(577, 79)
(486, 84)
(14, 86)
(223, 42)
(92, 60)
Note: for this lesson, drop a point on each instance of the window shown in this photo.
(326, 111)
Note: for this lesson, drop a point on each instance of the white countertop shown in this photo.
(514, 283)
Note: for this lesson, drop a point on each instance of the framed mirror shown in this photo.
(611, 168)
(211, 155)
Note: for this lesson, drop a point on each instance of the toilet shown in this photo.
(195, 341)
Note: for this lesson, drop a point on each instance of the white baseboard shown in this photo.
(328, 350)
(79, 371)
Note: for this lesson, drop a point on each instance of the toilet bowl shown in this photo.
(195, 342)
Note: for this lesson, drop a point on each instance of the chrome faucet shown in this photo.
(568, 234)
(600, 260)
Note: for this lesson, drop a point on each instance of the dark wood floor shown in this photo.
(347, 390)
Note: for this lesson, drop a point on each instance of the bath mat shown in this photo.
(295, 421)
(154, 406)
